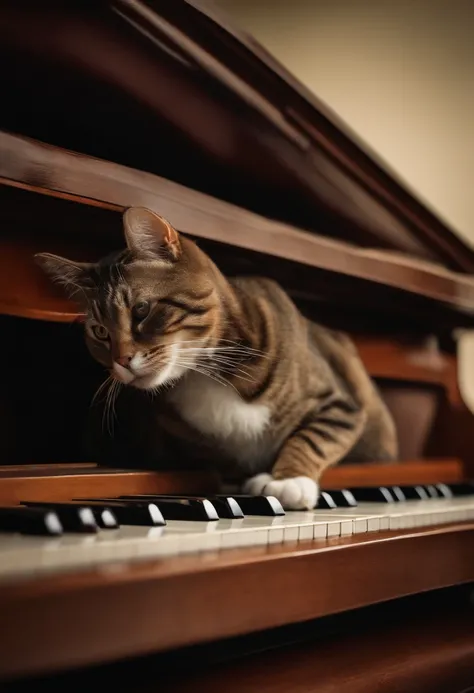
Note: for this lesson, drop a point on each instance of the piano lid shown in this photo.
(174, 89)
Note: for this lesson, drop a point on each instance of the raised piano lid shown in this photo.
(174, 89)
(189, 116)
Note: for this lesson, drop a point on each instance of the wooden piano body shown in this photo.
(166, 105)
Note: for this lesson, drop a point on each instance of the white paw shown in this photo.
(297, 493)
(256, 484)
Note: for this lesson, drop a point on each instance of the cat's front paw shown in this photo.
(297, 493)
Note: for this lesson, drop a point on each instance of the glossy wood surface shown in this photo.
(130, 609)
(395, 647)
(320, 123)
(392, 359)
(62, 482)
(427, 653)
(201, 216)
(234, 120)
(424, 471)
(24, 292)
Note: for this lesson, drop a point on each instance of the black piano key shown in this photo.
(461, 488)
(444, 490)
(372, 494)
(188, 509)
(225, 506)
(397, 493)
(104, 517)
(326, 501)
(343, 498)
(73, 517)
(258, 505)
(432, 491)
(415, 492)
(38, 521)
(140, 514)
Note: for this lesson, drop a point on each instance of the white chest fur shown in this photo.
(218, 411)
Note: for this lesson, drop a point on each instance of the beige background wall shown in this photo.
(400, 73)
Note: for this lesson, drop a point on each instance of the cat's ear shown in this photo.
(74, 276)
(150, 236)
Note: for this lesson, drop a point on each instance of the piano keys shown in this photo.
(180, 508)
(30, 521)
(250, 165)
(136, 537)
(111, 512)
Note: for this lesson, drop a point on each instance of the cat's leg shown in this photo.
(322, 439)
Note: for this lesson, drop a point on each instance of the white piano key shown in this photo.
(291, 533)
(361, 521)
(373, 524)
(320, 531)
(306, 532)
(276, 535)
(347, 528)
(24, 555)
(297, 525)
(334, 529)
(360, 525)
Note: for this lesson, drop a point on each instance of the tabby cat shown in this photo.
(222, 371)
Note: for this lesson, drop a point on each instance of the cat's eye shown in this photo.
(140, 310)
(100, 332)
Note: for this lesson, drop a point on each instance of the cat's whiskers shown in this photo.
(218, 378)
(217, 370)
(229, 363)
(231, 353)
(109, 413)
(229, 349)
(234, 347)
(107, 382)
(230, 367)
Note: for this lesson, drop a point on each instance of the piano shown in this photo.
(113, 570)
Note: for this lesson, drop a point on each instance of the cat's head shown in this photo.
(151, 309)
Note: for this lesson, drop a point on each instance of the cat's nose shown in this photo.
(124, 360)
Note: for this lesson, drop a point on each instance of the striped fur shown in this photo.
(242, 380)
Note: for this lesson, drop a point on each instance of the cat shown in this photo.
(223, 371)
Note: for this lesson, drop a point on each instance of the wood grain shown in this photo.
(27, 292)
(63, 482)
(131, 609)
(277, 133)
(392, 359)
(320, 123)
(421, 644)
(410, 472)
(206, 217)
(426, 653)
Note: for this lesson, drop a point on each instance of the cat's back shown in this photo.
(270, 298)
(259, 287)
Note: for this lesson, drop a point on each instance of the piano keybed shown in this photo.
(58, 536)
